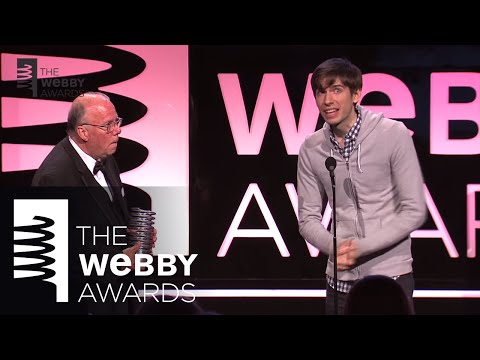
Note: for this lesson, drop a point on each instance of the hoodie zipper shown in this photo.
(354, 194)
(356, 269)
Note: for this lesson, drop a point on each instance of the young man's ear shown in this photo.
(356, 96)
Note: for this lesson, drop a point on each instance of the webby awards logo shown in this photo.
(41, 251)
(46, 82)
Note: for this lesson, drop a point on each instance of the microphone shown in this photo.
(330, 164)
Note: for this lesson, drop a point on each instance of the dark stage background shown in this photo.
(245, 111)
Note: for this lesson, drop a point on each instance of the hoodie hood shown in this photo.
(370, 120)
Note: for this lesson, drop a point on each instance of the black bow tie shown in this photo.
(98, 166)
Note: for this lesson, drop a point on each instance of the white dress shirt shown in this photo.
(90, 162)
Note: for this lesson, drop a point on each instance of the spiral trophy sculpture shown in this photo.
(140, 228)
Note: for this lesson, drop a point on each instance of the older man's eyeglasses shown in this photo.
(108, 127)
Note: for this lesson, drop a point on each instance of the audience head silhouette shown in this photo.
(377, 295)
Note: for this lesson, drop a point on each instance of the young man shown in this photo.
(379, 186)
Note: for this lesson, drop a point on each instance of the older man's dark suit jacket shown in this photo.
(63, 167)
(89, 205)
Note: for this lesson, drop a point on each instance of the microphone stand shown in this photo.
(334, 220)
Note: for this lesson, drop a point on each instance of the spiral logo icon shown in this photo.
(27, 74)
(41, 242)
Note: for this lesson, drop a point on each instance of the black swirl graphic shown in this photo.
(37, 254)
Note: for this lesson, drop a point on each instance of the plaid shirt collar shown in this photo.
(350, 139)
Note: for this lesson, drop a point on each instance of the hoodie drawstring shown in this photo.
(359, 156)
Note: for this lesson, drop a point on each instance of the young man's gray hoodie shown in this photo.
(379, 196)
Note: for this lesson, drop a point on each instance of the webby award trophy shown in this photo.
(140, 228)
